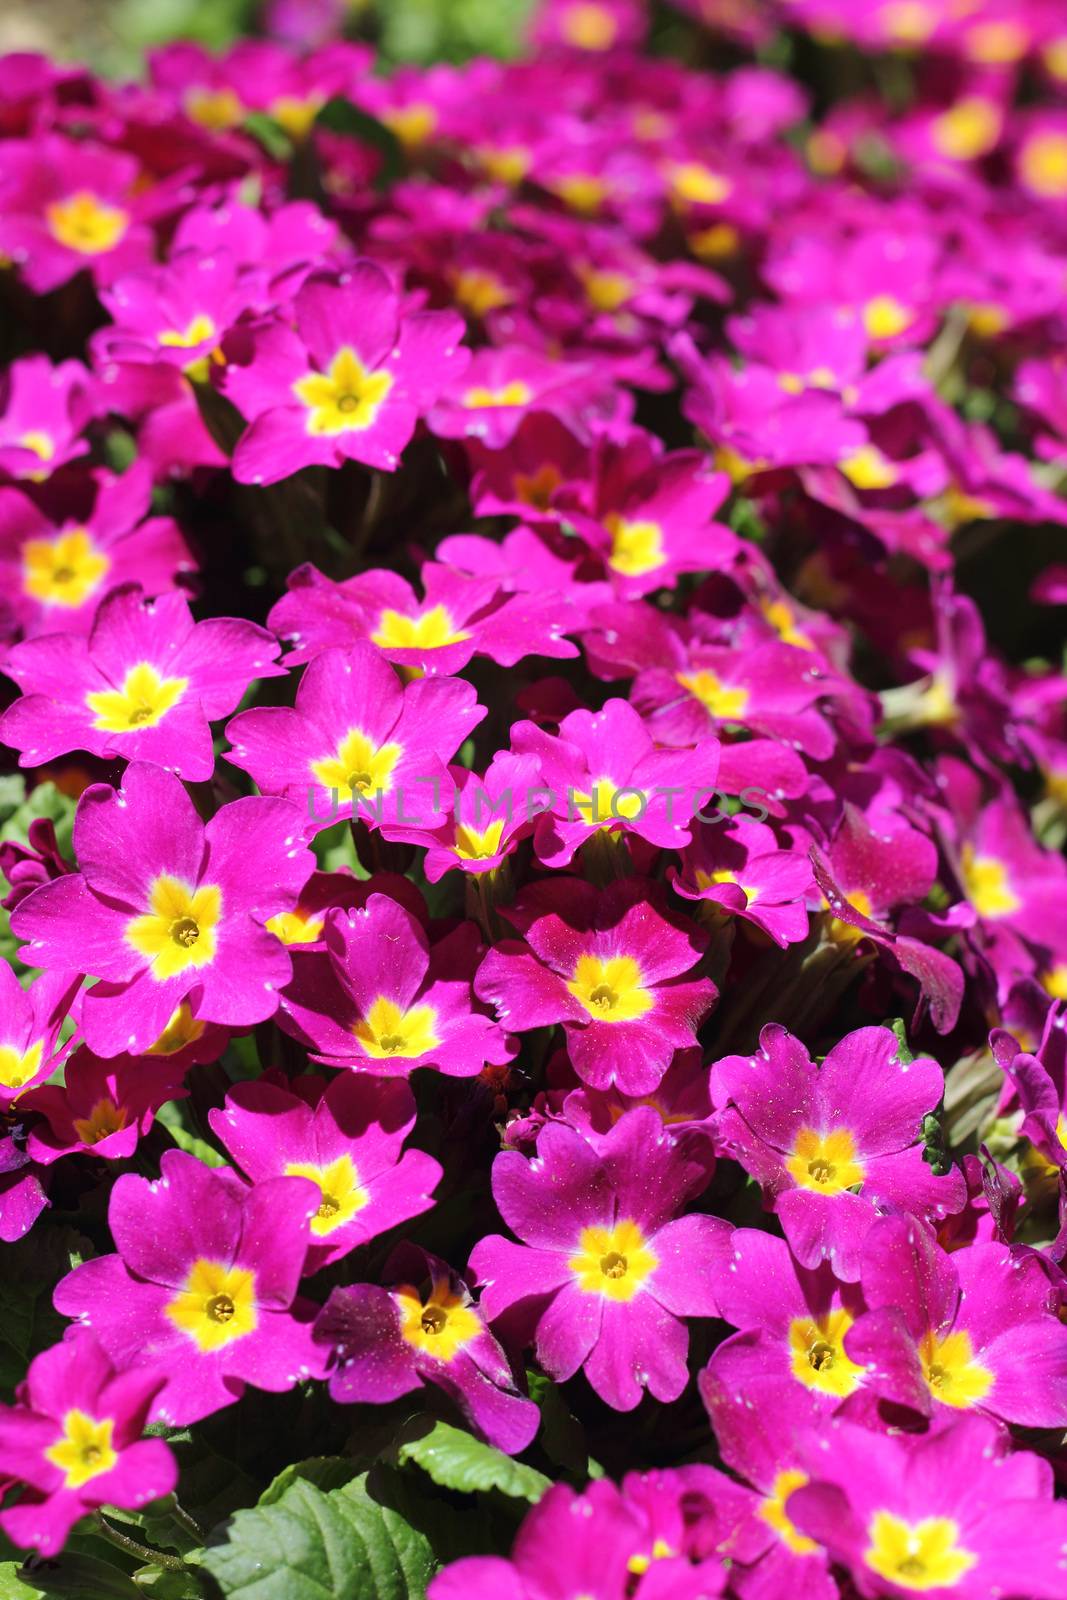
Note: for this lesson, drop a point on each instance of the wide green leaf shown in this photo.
(310, 1545)
(457, 1460)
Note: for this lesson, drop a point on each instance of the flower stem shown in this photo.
(133, 1547)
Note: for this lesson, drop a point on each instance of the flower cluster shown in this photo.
(534, 886)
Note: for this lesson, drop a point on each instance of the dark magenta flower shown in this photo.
(102, 1107)
(423, 1328)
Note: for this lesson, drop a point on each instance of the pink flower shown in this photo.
(145, 684)
(738, 869)
(202, 1288)
(56, 572)
(500, 387)
(104, 1107)
(457, 618)
(43, 412)
(349, 383)
(165, 910)
(74, 1440)
(832, 1145)
(70, 207)
(423, 1329)
(384, 1000)
(607, 1269)
(347, 1136)
(31, 1019)
(603, 773)
(358, 743)
(610, 967)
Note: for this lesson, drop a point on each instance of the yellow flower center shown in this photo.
(84, 1449)
(587, 26)
(817, 1354)
(482, 398)
(342, 1194)
(636, 547)
(782, 620)
(86, 224)
(606, 291)
(987, 885)
(611, 990)
(509, 165)
(708, 880)
(771, 1510)
(63, 571)
(1054, 55)
(17, 1067)
(358, 765)
(105, 1118)
(1043, 165)
(607, 804)
(295, 115)
(346, 398)
(413, 124)
(917, 1555)
(471, 844)
(182, 1029)
(216, 1306)
(142, 702)
(718, 699)
(214, 109)
(954, 1376)
(431, 630)
(884, 317)
(692, 183)
(179, 932)
(480, 292)
(41, 445)
(386, 1031)
(869, 468)
(199, 329)
(715, 243)
(968, 129)
(1054, 981)
(827, 1162)
(581, 192)
(613, 1262)
(438, 1327)
(537, 488)
(296, 927)
(640, 1563)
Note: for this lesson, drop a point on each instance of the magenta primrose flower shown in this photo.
(31, 1019)
(489, 815)
(56, 572)
(423, 1329)
(102, 1106)
(457, 618)
(42, 414)
(610, 966)
(983, 1322)
(832, 1145)
(648, 1540)
(165, 910)
(358, 741)
(383, 1000)
(73, 1440)
(737, 869)
(947, 1514)
(604, 772)
(347, 1136)
(145, 684)
(348, 383)
(607, 1269)
(203, 1285)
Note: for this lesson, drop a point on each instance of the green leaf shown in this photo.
(897, 1027)
(16, 1584)
(325, 1472)
(314, 1546)
(342, 116)
(269, 135)
(457, 1460)
(175, 1116)
(79, 1576)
